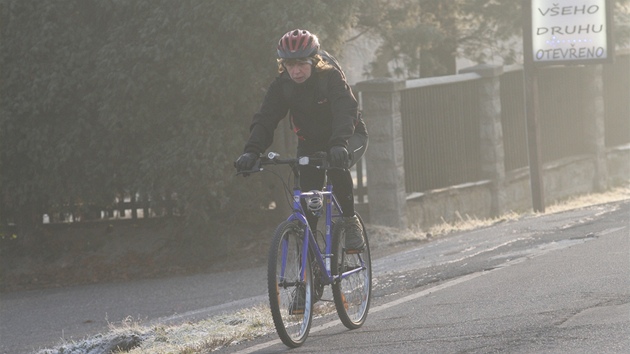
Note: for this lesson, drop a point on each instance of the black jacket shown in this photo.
(321, 120)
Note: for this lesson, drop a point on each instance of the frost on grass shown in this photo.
(99, 344)
(208, 334)
(199, 337)
(188, 338)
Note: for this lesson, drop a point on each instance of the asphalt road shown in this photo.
(552, 283)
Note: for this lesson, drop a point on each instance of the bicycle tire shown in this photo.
(283, 285)
(353, 293)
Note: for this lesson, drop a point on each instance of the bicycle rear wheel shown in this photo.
(352, 293)
(290, 295)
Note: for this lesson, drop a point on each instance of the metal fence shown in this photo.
(441, 124)
(562, 94)
(513, 118)
(441, 135)
(617, 100)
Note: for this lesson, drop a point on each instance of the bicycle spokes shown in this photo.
(352, 288)
(290, 285)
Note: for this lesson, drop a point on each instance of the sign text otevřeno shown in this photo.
(569, 30)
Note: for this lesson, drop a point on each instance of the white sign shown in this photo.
(570, 31)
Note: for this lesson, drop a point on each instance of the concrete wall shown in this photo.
(501, 192)
(562, 180)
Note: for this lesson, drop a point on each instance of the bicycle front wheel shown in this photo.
(290, 286)
(352, 292)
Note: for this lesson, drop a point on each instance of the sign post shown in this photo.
(530, 79)
(558, 32)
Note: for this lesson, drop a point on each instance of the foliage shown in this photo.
(154, 97)
(621, 20)
(422, 38)
(46, 134)
(101, 99)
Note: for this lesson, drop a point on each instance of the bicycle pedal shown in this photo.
(293, 312)
(344, 301)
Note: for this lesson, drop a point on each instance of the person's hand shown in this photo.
(246, 162)
(339, 157)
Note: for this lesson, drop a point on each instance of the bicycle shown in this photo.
(300, 268)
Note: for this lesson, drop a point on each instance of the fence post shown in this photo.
(491, 131)
(593, 105)
(387, 198)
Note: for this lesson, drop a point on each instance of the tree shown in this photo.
(49, 142)
(141, 97)
(423, 38)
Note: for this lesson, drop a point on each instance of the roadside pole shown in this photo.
(530, 80)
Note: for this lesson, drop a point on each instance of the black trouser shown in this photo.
(311, 178)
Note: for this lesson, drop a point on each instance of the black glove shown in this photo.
(338, 157)
(246, 162)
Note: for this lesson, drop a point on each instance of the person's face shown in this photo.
(299, 70)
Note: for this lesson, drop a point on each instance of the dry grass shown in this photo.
(206, 335)
(470, 223)
(613, 195)
(220, 331)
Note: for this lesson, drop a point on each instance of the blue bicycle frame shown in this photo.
(323, 260)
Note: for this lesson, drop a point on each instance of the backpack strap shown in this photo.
(322, 83)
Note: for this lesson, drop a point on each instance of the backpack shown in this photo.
(332, 61)
(323, 84)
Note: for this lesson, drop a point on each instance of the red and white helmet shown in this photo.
(298, 44)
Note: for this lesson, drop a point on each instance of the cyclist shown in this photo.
(323, 113)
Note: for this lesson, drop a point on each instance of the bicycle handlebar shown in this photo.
(318, 160)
